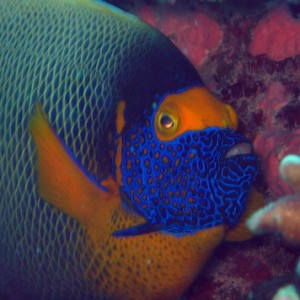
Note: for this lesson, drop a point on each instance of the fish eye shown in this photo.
(166, 121)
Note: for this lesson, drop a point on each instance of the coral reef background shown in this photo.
(248, 54)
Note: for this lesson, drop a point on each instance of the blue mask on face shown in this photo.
(199, 180)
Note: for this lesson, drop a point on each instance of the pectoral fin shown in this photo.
(143, 228)
(240, 232)
(62, 182)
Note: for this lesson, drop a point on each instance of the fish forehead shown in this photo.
(195, 108)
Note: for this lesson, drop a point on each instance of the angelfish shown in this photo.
(120, 171)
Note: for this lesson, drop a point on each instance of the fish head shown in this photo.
(183, 167)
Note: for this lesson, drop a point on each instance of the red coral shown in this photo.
(272, 146)
(271, 104)
(193, 32)
(274, 142)
(277, 35)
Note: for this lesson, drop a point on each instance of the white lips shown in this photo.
(239, 149)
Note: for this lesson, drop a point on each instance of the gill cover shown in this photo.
(175, 167)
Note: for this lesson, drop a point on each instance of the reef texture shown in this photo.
(282, 217)
(196, 34)
(276, 35)
(248, 54)
(276, 139)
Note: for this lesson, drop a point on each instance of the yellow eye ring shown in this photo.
(166, 123)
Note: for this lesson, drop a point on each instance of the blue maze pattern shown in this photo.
(186, 184)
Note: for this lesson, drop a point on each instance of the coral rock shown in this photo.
(277, 35)
(272, 145)
(288, 292)
(279, 217)
(274, 142)
(290, 170)
(282, 216)
(193, 32)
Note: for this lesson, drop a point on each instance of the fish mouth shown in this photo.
(239, 149)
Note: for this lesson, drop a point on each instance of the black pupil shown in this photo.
(166, 121)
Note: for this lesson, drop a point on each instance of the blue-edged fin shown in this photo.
(61, 180)
(143, 228)
(241, 232)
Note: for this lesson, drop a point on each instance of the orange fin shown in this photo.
(61, 181)
(240, 232)
(120, 123)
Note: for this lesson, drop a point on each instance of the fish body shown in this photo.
(79, 81)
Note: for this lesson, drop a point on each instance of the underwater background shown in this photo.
(248, 54)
